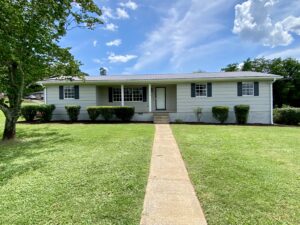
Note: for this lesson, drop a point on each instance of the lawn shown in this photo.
(74, 174)
(244, 175)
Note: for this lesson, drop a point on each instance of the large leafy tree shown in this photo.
(287, 90)
(29, 51)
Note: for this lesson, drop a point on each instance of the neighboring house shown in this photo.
(177, 94)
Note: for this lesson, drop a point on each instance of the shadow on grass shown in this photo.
(23, 154)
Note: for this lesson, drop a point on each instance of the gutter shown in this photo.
(153, 81)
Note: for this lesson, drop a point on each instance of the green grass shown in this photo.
(74, 174)
(244, 175)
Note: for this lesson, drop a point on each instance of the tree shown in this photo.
(231, 68)
(31, 31)
(285, 91)
(103, 71)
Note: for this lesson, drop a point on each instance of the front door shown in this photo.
(160, 98)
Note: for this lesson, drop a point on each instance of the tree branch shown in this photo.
(4, 107)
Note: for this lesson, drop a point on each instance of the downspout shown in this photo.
(271, 101)
(45, 95)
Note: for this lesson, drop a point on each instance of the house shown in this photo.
(178, 95)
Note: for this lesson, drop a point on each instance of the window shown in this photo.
(248, 88)
(201, 90)
(127, 94)
(130, 94)
(137, 94)
(117, 94)
(69, 92)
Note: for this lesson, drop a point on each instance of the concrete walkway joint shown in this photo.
(170, 197)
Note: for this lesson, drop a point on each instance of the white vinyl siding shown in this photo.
(87, 98)
(225, 93)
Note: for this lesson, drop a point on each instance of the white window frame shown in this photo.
(247, 87)
(69, 92)
(117, 95)
(200, 87)
(129, 97)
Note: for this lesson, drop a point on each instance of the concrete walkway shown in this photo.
(170, 197)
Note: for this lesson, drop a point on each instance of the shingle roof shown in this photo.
(173, 77)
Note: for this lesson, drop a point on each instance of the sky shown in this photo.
(183, 36)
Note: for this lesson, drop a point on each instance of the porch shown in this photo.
(145, 98)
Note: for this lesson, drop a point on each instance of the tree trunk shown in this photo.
(14, 91)
(9, 129)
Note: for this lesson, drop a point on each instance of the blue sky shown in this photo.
(173, 36)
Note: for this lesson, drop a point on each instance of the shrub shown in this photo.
(289, 116)
(241, 113)
(46, 112)
(93, 112)
(107, 112)
(220, 113)
(124, 113)
(29, 112)
(73, 112)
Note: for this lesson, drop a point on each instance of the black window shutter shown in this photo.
(110, 94)
(256, 89)
(209, 90)
(76, 89)
(61, 92)
(240, 89)
(144, 94)
(193, 90)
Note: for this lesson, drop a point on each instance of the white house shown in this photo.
(178, 95)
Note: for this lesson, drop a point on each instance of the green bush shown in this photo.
(289, 116)
(220, 113)
(46, 112)
(93, 112)
(107, 112)
(124, 113)
(73, 112)
(241, 113)
(29, 112)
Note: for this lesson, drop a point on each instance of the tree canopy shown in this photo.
(30, 31)
(287, 90)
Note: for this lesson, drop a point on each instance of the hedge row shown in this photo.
(289, 116)
(220, 113)
(124, 113)
(43, 112)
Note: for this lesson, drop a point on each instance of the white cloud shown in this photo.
(130, 5)
(292, 24)
(107, 13)
(95, 43)
(120, 58)
(253, 22)
(116, 42)
(291, 52)
(121, 13)
(111, 27)
(98, 61)
(186, 25)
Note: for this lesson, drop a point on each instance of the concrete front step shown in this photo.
(161, 118)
